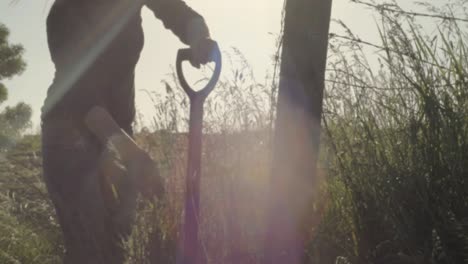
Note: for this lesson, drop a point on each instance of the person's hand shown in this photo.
(203, 52)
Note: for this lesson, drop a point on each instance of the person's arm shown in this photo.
(182, 20)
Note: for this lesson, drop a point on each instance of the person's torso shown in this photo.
(104, 37)
(98, 16)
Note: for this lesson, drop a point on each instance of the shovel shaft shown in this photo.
(192, 197)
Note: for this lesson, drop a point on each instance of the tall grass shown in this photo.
(398, 134)
(28, 229)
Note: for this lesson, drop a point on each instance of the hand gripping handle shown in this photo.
(186, 55)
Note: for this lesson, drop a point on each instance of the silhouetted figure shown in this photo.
(95, 46)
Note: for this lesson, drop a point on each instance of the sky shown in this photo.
(251, 26)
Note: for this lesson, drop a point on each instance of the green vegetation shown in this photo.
(28, 232)
(398, 134)
(13, 120)
(394, 160)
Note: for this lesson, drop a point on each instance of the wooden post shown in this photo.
(297, 134)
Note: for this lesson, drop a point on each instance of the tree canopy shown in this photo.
(13, 120)
(11, 56)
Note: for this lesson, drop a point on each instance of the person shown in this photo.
(95, 46)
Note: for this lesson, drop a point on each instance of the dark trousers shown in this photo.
(93, 229)
(72, 177)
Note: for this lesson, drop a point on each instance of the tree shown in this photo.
(297, 129)
(13, 120)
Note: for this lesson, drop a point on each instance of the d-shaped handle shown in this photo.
(186, 55)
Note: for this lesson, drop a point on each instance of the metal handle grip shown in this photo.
(186, 55)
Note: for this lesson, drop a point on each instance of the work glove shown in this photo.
(138, 172)
(200, 42)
